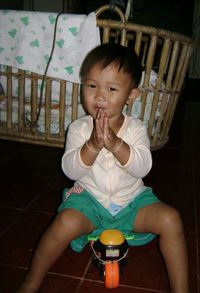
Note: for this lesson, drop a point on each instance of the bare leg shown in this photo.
(165, 222)
(68, 225)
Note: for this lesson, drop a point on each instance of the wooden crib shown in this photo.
(164, 53)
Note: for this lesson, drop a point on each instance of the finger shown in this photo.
(100, 125)
(101, 118)
(98, 129)
(98, 115)
(98, 118)
(106, 126)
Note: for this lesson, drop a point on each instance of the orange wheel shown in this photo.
(112, 274)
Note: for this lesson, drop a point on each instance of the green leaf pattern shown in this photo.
(25, 20)
(20, 59)
(26, 40)
(12, 33)
(35, 43)
(69, 69)
(60, 43)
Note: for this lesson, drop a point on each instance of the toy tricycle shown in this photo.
(110, 250)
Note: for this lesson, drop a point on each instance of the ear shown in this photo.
(133, 96)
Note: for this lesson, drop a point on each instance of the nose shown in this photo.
(99, 96)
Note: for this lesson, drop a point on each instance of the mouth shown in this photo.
(100, 110)
(99, 107)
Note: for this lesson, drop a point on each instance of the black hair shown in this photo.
(106, 54)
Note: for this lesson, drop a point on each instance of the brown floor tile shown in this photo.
(8, 217)
(18, 190)
(12, 277)
(72, 263)
(172, 157)
(50, 197)
(34, 162)
(99, 287)
(60, 284)
(18, 242)
(194, 262)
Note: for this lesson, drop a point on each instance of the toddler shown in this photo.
(107, 154)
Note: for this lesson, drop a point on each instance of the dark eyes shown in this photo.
(112, 89)
(93, 86)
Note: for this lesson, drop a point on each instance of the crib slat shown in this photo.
(170, 76)
(172, 65)
(184, 62)
(159, 83)
(48, 91)
(9, 97)
(123, 41)
(62, 109)
(75, 91)
(106, 35)
(148, 68)
(138, 41)
(21, 100)
(34, 100)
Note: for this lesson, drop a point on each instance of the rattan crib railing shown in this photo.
(166, 53)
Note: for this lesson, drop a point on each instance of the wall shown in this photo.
(44, 5)
(11, 4)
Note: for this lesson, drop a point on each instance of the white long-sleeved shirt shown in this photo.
(108, 180)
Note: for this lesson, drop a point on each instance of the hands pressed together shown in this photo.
(103, 135)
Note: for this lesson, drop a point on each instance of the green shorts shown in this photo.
(102, 219)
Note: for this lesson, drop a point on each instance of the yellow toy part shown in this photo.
(111, 237)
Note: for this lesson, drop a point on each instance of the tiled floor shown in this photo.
(31, 183)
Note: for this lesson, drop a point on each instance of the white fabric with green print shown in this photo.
(26, 40)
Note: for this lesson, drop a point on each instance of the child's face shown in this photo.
(107, 89)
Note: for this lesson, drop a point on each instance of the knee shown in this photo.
(170, 220)
(66, 219)
(60, 223)
(73, 220)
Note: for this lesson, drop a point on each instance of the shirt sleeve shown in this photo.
(72, 165)
(140, 159)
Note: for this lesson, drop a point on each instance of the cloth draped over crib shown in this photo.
(26, 40)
